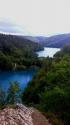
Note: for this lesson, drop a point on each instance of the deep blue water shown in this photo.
(23, 77)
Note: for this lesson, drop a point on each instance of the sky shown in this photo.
(35, 17)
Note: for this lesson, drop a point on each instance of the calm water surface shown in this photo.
(23, 77)
(48, 52)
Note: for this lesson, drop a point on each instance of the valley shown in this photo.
(38, 81)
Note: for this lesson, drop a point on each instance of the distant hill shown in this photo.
(54, 41)
(9, 41)
(32, 38)
(37, 39)
(35, 42)
(17, 52)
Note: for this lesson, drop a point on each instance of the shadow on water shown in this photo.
(23, 77)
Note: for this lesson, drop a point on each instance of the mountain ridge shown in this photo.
(56, 41)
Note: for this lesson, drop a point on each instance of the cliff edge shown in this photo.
(22, 115)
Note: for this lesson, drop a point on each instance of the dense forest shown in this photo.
(49, 91)
(16, 52)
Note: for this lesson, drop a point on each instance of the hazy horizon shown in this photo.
(35, 17)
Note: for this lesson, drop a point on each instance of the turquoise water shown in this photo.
(23, 77)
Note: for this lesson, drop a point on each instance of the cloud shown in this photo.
(38, 17)
(11, 27)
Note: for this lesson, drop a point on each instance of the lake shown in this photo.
(48, 52)
(23, 77)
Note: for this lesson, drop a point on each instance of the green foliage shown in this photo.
(49, 90)
(11, 96)
(13, 93)
(54, 119)
(2, 98)
(18, 53)
(64, 51)
(22, 59)
(5, 62)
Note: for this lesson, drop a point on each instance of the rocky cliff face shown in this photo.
(22, 115)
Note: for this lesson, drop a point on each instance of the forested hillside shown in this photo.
(16, 52)
(56, 41)
(49, 91)
(10, 41)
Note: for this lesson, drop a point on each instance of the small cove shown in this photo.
(23, 77)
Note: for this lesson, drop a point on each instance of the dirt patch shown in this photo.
(39, 119)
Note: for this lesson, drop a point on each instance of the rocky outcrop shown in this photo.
(22, 115)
